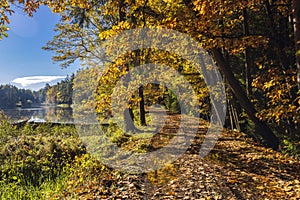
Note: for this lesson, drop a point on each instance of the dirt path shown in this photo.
(237, 168)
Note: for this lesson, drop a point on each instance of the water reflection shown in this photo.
(44, 113)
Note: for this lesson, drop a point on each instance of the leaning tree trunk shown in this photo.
(269, 138)
(296, 22)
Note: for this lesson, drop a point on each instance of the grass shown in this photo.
(35, 159)
(45, 190)
(49, 161)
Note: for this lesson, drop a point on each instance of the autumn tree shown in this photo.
(257, 61)
(61, 92)
(218, 26)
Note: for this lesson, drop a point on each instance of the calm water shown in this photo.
(41, 114)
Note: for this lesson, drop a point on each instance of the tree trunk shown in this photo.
(142, 107)
(269, 138)
(128, 121)
(275, 37)
(128, 113)
(247, 56)
(138, 60)
(296, 23)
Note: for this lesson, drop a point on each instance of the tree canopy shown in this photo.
(254, 44)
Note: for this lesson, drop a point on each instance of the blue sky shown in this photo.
(21, 54)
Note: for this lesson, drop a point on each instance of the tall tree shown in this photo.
(262, 128)
(296, 22)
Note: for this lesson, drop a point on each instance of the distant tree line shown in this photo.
(60, 93)
(11, 96)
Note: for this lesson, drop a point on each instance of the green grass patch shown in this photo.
(34, 159)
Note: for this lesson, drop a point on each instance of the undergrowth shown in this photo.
(35, 159)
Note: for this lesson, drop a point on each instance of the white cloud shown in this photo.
(27, 81)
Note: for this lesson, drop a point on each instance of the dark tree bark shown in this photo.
(247, 55)
(269, 138)
(137, 62)
(142, 107)
(296, 23)
(275, 36)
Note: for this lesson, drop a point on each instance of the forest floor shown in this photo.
(236, 168)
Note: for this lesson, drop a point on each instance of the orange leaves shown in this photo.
(58, 6)
(5, 11)
(220, 24)
(280, 105)
(163, 176)
(238, 45)
(200, 6)
(80, 3)
(121, 26)
(30, 7)
(170, 22)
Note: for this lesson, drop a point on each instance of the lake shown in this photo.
(41, 114)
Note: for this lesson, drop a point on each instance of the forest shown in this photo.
(255, 47)
(59, 93)
(11, 96)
